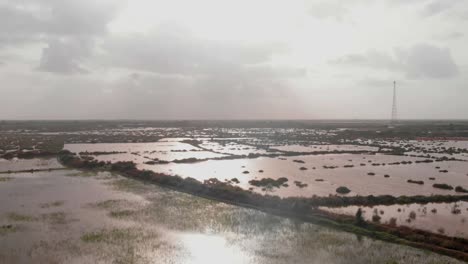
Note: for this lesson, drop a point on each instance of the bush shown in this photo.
(416, 182)
(343, 190)
(376, 218)
(442, 186)
(359, 218)
(461, 189)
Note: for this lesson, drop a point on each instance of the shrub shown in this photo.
(343, 190)
(376, 218)
(442, 186)
(415, 182)
(461, 189)
(359, 219)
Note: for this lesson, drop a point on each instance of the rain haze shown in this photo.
(65, 59)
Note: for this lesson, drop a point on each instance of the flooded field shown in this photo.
(444, 218)
(308, 175)
(323, 181)
(28, 164)
(85, 217)
(72, 216)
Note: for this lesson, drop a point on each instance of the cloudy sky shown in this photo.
(243, 59)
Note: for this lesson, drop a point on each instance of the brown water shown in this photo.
(76, 217)
(355, 178)
(322, 173)
(321, 148)
(445, 218)
(27, 164)
(141, 152)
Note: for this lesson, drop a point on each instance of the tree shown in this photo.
(359, 219)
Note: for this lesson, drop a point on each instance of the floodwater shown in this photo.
(141, 152)
(324, 148)
(444, 218)
(28, 164)
(364, 174)
(324, 181)
(77, 217)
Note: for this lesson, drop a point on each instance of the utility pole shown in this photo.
(394, 106)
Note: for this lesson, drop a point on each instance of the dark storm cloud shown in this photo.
(418, 62)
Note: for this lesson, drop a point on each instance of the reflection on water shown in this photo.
(204, 249)
(141, 152)
(445, 218)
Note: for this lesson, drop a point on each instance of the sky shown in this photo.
(243, 59)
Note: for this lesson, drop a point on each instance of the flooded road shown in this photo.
(81, 217)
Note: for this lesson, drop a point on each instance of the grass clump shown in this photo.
(107, 204)
(52, 204)
(20, 217)
(55, 218)
(4, 179)
(108, 236)
(5, 229)
(121, 213)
